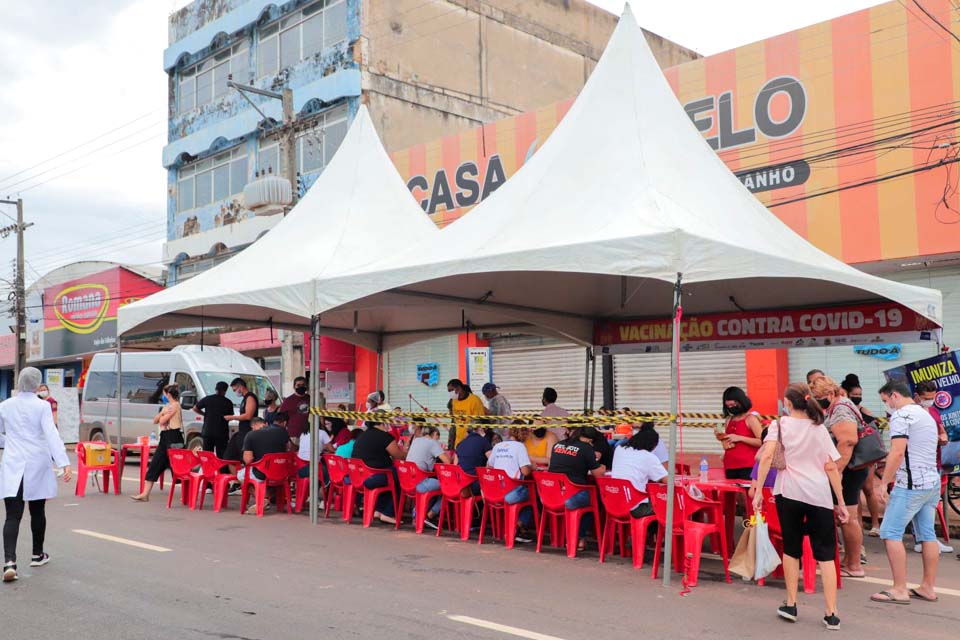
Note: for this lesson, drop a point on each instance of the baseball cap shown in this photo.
(489, 386)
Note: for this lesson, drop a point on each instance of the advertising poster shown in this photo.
(54, 378)
(479, 371)
(428, 374)
(942, 370)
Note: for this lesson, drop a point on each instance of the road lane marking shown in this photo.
(502, 628)
(888, 583)
(130, 543)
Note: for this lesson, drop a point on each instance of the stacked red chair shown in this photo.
(495, 484)
(211, 474)
(182, 464)
(410, 475)
(276, 470)
(618, 497)
(454, 505)
(84, 470)
(359, 472)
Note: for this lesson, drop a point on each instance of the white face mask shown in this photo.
(454, 395)
(371, 406)
(926, 403)
(44, 395)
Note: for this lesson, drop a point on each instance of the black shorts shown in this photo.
(235, 446)
(799, 519)
(738, 474)
(852, 484)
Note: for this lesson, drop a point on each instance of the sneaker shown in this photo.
(9, 572)
(874, 533)
(252, 509)
(430, 522)
(40, 560)
(234, 490)
(863, 556)
(944, 548)
(831, 622)
(522, 539)
(787, 612)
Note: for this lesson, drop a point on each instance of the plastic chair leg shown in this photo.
(656, 553)
(607, 539)
(466, 516)
(173, 489)
(809, 567)
(303, 492)
(511, 513)
(693, 547)
(117, 477)
(81, 487)
(422, 505)
(349, 496)
(369, 506)
(572, 522)
(105, 485)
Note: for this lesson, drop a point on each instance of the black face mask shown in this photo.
(856, 400)
(824, 403)
(301, 390)
(735, 410)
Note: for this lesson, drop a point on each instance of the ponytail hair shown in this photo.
(798, 395)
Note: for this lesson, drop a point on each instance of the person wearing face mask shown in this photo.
(843, 421)
(925, 392)
(851, 386)
(297, 408)
(462, 403)
(741, 434)
(170, 423)
(539, 444)
(43, 391)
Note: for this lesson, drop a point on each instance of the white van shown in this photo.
(145, 374)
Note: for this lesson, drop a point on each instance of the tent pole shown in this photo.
(314, 418)
(586, 380)
(120, 399)
(672, 459)
(593, 376)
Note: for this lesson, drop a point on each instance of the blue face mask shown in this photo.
(163, 399)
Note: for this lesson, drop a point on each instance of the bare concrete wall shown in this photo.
(435, 68)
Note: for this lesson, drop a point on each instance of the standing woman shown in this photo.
(26, 474)
(842, 421)
(802, 490)
(43, 392)
(271, 407)
(851, 386)
(741, 436)
(170, 422)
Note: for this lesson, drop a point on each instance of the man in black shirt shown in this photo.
(575, 458)
(261, 440)
(215, 408)
(378, 449)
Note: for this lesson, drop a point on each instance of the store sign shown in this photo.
(880, 351)
(479, 371)
(54, 378)
(428, 374)
(80, 316)
(944, 371)
(864, 324)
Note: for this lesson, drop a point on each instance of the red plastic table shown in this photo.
(726, 491)
(144, 452)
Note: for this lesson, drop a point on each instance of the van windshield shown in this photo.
(257, 384)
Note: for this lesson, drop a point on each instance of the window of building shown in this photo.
(212, 179)
(301, 34)
(316, 147)
(206, 81)
(187, 270)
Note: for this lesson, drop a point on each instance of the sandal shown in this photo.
(919, 596)
(887, 598)
(846, 573)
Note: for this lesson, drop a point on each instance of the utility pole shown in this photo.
(18, 286)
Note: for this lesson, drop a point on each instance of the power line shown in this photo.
(936, 20)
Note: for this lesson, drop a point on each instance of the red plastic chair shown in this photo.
(940, 514)
(359, 472)
(276, 470)
(410, 475)
(211, 474)
(681, 469)
(694, 532)
(453, 504)
(84, 470)
(550, 489)
(302, 484)
(338, 490)
(495, 484)
(182, 464)
(658, 499)
(618, 496)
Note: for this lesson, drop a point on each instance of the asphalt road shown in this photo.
(228, 576)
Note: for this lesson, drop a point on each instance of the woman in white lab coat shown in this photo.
(33, 449)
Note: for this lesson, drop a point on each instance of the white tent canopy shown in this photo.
(358, 211)
(623, 196)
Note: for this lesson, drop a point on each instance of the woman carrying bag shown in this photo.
(806, 459)
(170, 423)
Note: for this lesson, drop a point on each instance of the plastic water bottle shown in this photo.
(704, 470)
(153, 438)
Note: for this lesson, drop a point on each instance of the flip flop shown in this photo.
(887, 598)
(846, 573)
(919, 596)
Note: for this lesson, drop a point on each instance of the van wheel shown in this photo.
(195, 444)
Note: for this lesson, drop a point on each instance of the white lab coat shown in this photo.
(33, 448)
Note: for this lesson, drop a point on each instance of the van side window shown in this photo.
(144, 387)
(100, 385)
(185, 382)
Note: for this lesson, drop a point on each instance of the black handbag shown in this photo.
(869, 448)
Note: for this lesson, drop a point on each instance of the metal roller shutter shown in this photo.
(837, 362)
(401, 369)
(524, 365)
(642, 382)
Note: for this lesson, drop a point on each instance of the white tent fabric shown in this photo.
(623, 196)
(358, 210)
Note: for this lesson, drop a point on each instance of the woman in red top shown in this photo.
(43, 391)
(741, 436)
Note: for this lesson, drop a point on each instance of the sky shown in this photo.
(83, 108)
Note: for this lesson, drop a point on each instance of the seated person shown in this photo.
(303, 451)
(603, 447)
(575, 458)
(261, 440)
(512, 458)
(472, 452)
(378, 449)
(345, 450)
(635, 461)
(424, 451)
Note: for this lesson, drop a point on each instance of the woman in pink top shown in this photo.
(804, 503)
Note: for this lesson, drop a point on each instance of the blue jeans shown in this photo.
(918, 505)
(304, 472)
(384, 500)
(426, 486)
(521, 494)
(580, 500)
